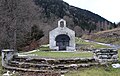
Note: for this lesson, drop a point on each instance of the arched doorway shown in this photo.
(62, 41)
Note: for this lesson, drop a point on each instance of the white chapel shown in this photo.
(62, 38)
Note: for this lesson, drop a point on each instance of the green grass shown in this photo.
(89, 45)
(44, 49)
(107, 40)
(112, 40)
(95, 71)
(2, 70)
(63, 54)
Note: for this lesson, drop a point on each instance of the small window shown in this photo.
(62, 24)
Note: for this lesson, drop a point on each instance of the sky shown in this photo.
(109, 9)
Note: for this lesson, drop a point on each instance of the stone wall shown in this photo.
(106, 55)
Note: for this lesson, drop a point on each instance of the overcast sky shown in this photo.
(109, 9)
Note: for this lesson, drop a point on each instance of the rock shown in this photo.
(116, 65)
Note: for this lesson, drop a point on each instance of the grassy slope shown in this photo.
(63, 54)
(2, 70)
(70, 54)
(108, 36)
(93, 71)
(89, 44)
(96, 71)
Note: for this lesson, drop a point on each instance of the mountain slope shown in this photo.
(109, 36)
(26, 23)
(83, 18)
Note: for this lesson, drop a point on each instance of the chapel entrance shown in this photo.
(62, 41)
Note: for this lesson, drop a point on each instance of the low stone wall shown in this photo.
(58, 65)
(106, 55)
(39, 60)
(7, 55)
(37, 64)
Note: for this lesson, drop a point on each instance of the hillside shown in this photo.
(109, 36)
(25, 24)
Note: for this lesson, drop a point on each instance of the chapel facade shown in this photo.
(62, 38)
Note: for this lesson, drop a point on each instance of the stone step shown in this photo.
(28, 65)
(73, 66)
(54, 61)
(29, 59)
(45, 64)
(49, 66)
(43, 72)
(26, 70)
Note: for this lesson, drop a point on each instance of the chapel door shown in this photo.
(62, 41)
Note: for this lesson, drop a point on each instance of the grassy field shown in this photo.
(95, 71)
(108, 36)
(108, 40)
(92, 71)
(63, 54)
(89, 45)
